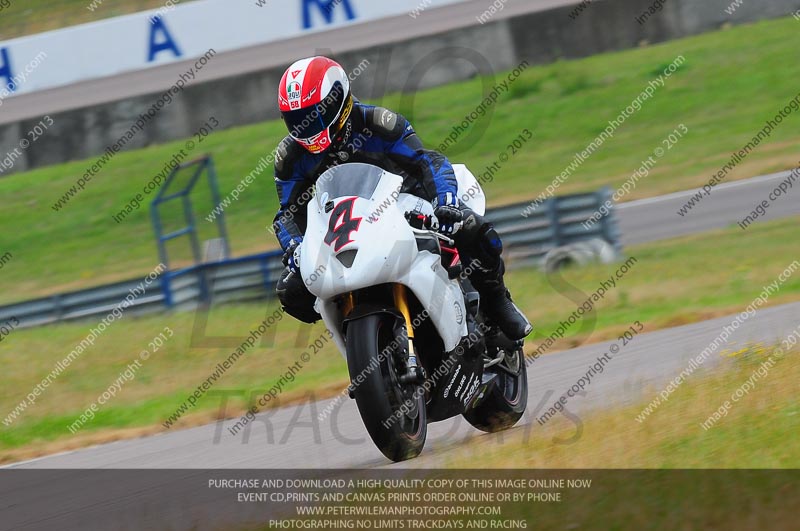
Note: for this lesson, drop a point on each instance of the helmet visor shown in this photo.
(307, 123)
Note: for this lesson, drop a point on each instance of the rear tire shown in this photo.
(379, 396)
(506, 403)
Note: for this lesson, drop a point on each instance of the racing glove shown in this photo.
(291, 258)
(449, 216)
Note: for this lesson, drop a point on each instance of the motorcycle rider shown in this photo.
(328, 126)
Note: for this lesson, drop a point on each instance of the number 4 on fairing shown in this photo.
(342, 224)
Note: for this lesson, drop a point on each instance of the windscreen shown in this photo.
(346, 180)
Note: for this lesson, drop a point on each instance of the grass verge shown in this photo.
(35, 16)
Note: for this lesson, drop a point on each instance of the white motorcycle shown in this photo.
(398, 303)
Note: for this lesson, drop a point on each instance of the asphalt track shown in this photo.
(656, 218)
(261, 57)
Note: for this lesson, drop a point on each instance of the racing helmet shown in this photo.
(315, 102)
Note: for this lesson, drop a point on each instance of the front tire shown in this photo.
(379, 395)
(506, 403)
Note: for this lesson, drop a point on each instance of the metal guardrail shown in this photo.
(90, 302)
(238, 279)
(555, 222)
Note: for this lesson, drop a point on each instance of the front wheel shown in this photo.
(506, 402)
(393, 413)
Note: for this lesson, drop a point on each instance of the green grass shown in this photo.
(565, 104)
(26, 17)
(674, 281)
(164, 380)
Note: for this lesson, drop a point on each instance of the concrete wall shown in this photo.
(174, 33)
(401, 66)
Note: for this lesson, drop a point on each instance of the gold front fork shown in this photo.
(348, 304)
(401, 301)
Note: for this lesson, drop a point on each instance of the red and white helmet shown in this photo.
(315, 102)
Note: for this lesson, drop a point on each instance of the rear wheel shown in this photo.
(506, 402)
(393, 413)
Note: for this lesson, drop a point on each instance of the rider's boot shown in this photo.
(497, 304)
(481, 249)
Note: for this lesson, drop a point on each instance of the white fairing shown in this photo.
(370, 211)
(469, 189)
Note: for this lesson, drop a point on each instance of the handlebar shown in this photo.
(421, 222)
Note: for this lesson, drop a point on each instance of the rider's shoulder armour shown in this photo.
(386, 123)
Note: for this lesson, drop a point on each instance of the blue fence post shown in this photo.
(166, 289)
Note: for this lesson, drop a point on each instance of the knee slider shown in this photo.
(491, 241)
